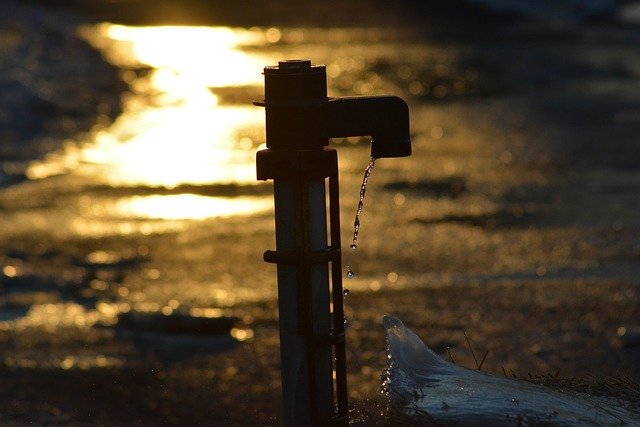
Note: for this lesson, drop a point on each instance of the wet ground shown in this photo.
(133, 288)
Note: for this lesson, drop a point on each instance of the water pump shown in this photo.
(300, 119)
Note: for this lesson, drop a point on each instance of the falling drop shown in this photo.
(363, 189)
(345, 292)
(350, 274)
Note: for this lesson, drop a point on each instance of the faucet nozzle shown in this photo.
(384, 118)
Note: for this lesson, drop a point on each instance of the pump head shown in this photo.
(300, 116)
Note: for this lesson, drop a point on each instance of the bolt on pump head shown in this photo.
(300, 116)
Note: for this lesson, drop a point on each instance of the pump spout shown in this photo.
(384, 118)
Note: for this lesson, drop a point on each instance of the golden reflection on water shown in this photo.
(52, 316)
(174, 130)
(209, 56)
(166, 146)
(189, 206)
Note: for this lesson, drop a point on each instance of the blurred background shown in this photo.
(132, 286)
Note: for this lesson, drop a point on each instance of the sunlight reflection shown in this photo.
(211, 56)
(102, 228)
(173, 129)
(172, 146)
(57, 315)
(189, 206)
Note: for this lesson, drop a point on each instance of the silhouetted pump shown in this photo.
(300, 119)
(300, 116)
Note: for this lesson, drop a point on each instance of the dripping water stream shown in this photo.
(363, 189)
(356, 222)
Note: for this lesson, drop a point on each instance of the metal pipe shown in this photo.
(293, 349)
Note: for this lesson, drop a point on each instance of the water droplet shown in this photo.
(350, 273)
(346, 322)
(353, 246)
(345, 292)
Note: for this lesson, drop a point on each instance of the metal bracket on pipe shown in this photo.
(331, 339)
(296, 165)
(307, 257)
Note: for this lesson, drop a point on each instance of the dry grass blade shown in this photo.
(483, 359)
(450, 356)
(475, 359)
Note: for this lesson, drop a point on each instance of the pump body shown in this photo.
(300, 119)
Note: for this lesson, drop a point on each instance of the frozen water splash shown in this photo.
(422, 388)
(363, 189)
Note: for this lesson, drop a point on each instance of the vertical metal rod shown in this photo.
(338, 296)
(320, 305)
(293, 351)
